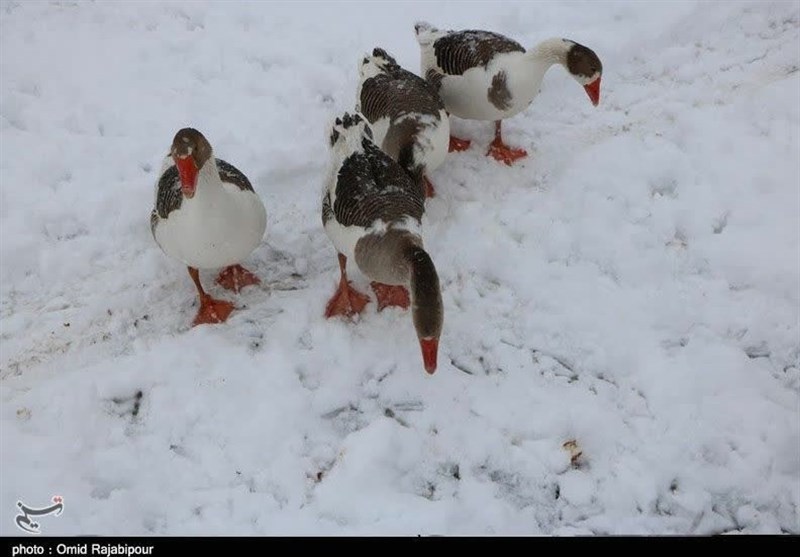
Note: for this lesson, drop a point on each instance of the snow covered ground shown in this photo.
(634, 285)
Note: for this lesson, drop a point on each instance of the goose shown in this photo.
(207, 215)
(372, 211)
(408, 119)
(482, 75)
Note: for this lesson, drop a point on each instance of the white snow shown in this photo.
(633, 285)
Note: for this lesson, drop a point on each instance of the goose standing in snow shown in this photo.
(207, 216)
(372, 211)
(407, 117)
(481, 75)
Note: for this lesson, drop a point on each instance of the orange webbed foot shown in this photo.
(212, 311)
(346, 301)
(503, 153)
(236, 277)
(457, 145)
(389, 295)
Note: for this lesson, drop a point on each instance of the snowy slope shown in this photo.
(634, 285)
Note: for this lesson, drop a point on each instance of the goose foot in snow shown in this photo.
(212, 311)
(236, 277)
(389, 295)
(503, 153)
(457, 145)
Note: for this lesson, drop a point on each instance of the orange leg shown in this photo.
(211, 309)
(457, 145)
(346, 300)
(429, 191)
(502, 152)
(389, 295)
(236, 277)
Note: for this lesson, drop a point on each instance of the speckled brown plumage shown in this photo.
(393, 96)
(371, 186)
(409, 103)
(459, 51)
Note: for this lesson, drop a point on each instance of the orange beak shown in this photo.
(593, 90)
(187, 169)
(430, 347)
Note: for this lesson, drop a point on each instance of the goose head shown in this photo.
(586, 68)
(190, 151)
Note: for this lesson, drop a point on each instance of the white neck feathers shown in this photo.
(551, 51)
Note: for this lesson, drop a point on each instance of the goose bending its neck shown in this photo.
(481, 75)
(372, 212)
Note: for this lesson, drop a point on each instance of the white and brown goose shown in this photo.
(207, 216)
(407, 117)
(481, 75)
(372, 210)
